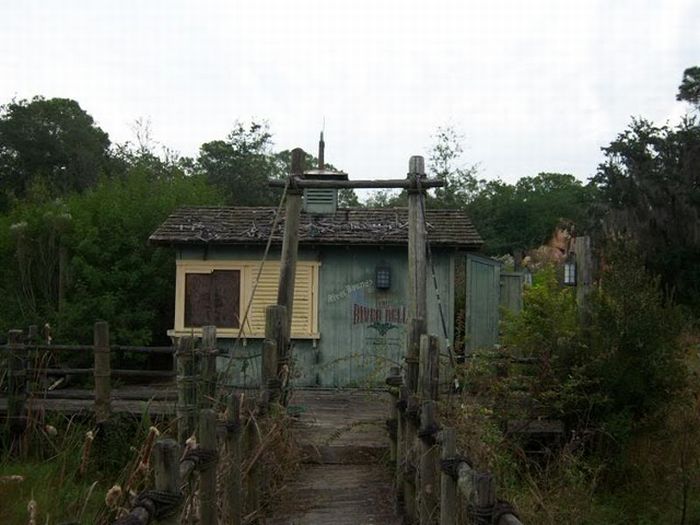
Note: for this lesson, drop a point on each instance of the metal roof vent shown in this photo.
(318, 200)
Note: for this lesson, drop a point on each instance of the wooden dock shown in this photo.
(345, 479)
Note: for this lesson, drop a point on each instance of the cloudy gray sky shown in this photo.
(533, 85)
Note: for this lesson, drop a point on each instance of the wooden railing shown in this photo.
(435, 484)
(26, 361)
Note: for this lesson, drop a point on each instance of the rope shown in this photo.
(500, 509)
(482, 513)
(427, 434)
(448, 344)
(450, 466)
(203, 458)
(275, 222)
(158, 503)
(232, 426)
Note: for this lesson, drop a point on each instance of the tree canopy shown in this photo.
(53, 143)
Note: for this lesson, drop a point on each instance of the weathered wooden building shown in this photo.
(350, 299)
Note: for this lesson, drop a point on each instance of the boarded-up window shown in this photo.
(213, 299)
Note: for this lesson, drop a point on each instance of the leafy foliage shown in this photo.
(649, 188)
(242, 164)
(112, 273)
(689, 90)
(53, 143)
(522, 216)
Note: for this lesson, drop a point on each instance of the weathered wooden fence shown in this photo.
(220, 452)
(28, 360)
(435, 484)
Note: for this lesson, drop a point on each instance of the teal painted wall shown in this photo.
(363, 330)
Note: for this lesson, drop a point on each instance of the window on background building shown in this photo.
(218, 292)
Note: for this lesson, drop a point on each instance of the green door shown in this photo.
(483, 295)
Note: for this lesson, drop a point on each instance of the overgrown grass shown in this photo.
(66, 466)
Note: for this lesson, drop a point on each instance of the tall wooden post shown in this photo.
(233, 497)
(448, 486)
(208, 353)
(207, 477)
(102, 372)
(288, 259)
(186, 388)
(165, 458)
(417, 260)
(16, 383)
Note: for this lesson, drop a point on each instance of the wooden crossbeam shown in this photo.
(303, 183)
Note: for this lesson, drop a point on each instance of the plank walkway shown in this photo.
(345, 479)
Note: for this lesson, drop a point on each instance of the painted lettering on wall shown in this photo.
(349, 289)
(383, 314)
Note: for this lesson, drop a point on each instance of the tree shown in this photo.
(461, 184)
(689, 90)
(514, 218)
(53, 143)
(109, 269)
(241, 165)
(649, 189)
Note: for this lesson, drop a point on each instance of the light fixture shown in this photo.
(570, 270)
(382, 278)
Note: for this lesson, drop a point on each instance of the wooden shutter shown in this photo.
(266, 294)
(213, 299)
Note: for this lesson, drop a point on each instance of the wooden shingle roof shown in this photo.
(365, 226)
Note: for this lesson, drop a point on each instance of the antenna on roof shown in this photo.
(321, 148)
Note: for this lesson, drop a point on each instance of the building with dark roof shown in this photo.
(351, 287)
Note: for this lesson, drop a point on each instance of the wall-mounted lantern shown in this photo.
(570, 270)
(382, 278)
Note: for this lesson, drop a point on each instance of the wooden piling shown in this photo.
(186, 389)
(485, 494)
(400, 448)
(102, 372)
(429, 460)
(448, 486)
(416, 328)
(207, 354)
(233, 495)
(207, 477)
(394, 381)
(16, 383)
(276, 337)
(253, 481)
(165, 458)
(410, 467)
(429, 367)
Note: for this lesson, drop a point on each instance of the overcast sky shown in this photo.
(533, 85)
